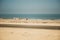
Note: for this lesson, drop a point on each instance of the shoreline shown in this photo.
(25, 21)
(30, 18)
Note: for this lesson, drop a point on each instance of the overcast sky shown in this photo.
(30, 6)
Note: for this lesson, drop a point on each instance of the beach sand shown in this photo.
(28, 34)
(30, 22)
(18, 33)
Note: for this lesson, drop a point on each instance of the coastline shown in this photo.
(17, 21)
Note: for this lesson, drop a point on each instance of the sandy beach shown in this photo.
(30, 22)
(28, 34)
(31, 29)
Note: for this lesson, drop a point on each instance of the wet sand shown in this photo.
(31, 26)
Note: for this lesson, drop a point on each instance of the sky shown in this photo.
(30, 6)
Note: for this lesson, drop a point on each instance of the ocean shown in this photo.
(31, 16)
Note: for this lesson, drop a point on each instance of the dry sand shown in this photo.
(28, 34)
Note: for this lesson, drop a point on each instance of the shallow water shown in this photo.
(31, 16)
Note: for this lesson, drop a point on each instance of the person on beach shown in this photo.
(26, 18)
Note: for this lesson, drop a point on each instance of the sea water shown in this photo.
(31, 16)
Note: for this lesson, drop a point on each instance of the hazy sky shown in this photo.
(30, 6)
